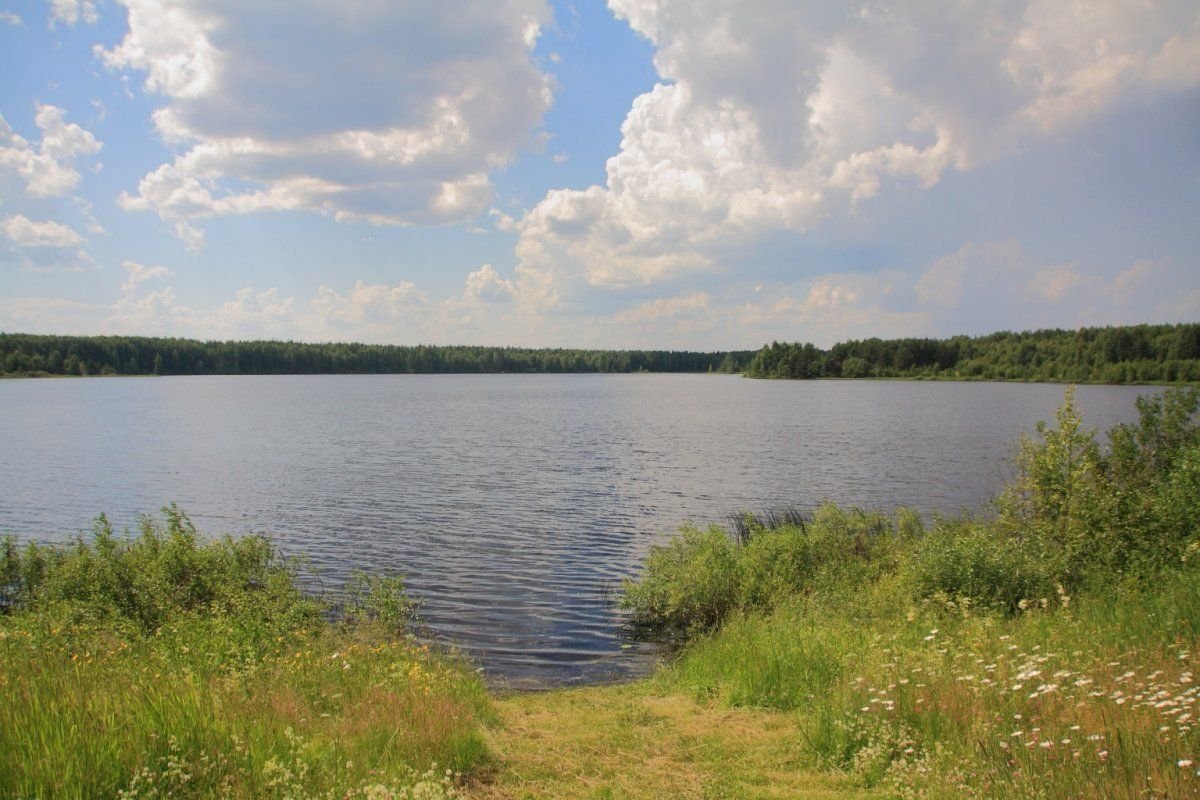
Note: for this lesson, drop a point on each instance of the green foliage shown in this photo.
(381, 598)
(1074, 513)
(975, 562)
(167, 665)
(688, 585)
(29, 354)
(1130, 354)
(700, 578)
(1053, 504)
(164, 572)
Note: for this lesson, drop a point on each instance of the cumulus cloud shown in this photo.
(47, 169)
(27, 233)
(389, 113)
(368, 303)
(45, 246)
(776, 115)
(9, 18)
(485, 285)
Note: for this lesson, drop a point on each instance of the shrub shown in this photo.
(165, 571)
(699, 578)
(688, 585)
(974, 561)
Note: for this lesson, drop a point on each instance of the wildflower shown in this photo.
(1184, 763)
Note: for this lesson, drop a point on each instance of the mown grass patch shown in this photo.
(635, 741)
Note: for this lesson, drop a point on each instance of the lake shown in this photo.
(514, 504)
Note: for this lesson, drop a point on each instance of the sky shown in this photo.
(683, 174)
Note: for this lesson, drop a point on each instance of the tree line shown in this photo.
(33, 355)
(1125, 354)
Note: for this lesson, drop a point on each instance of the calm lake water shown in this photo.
(513, 503)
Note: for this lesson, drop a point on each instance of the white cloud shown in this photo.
(390, 113)
(827, 309)
(70, 12)
(139, 273)
(9, 18)
(367, 312)
(155, 313)
(252, 314)
(776, 115)
(45, 246)
(27, 233)
(486, 285)
(665, 308)
(46, 170)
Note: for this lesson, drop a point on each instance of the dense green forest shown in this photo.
(1128, 354)
(26, 354)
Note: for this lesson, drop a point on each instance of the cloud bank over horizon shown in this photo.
(790, 172)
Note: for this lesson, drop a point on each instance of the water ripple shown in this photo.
(514, 504)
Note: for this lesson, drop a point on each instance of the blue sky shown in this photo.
(677, 173)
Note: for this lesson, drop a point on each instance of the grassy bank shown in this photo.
(166, 666)
(1045, 650)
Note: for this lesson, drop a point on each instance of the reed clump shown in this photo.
(1046, 649)
(166, 665)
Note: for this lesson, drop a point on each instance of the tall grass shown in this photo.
(165, 665)
(1048, 650)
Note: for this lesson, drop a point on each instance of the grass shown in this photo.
(167, 666)
(643, 741)
(912, 699)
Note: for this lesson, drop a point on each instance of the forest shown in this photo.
(34, 355)
(1126, 354)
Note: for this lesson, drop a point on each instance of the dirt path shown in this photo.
(625, 742)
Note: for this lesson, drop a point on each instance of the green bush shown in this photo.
(163, 572)
(700, 578)
(381, 598)
(688, 585)
(976, 562)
